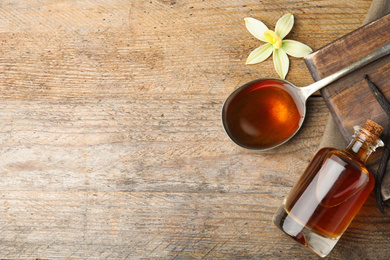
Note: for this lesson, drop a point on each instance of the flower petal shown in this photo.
(256, 28)
(284, 25)
(260, 54)
(296, 49)
(281, 62)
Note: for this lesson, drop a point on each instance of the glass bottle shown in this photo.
(330, 192)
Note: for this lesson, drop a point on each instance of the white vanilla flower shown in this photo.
(275, 43)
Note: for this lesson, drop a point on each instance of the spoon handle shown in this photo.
(378, 53)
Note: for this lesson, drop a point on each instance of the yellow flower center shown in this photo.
(271, 37)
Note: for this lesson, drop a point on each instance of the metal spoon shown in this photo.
(250, 133)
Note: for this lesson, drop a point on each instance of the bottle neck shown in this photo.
(359, 150)
(363, 145)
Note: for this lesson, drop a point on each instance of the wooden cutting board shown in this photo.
(350, 99)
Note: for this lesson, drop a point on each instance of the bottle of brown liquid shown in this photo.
(326, 198)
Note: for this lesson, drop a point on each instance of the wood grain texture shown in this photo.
(352, 91)
(111, 140)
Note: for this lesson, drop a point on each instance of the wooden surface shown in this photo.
(111, 140)
(350, 99)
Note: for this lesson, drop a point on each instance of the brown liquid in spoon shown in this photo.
(263, 114)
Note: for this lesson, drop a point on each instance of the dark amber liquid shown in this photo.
(263, 114)
(330, 193)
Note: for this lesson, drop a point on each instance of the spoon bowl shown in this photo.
(266, 113)
(263, 113)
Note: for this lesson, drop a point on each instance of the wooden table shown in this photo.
(111, 140)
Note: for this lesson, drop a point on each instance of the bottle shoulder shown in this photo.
(345, 158)
(342, 154)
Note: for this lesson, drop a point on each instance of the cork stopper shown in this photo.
(373, 128)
